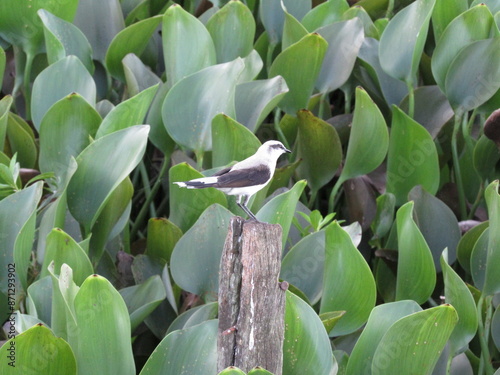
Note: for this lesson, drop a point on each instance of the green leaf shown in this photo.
(142, 299)
(37, 350)
(138, 76)
(412, 158)
(108, 160)
(62, 39)
(62, 249)
(346, 273)
(233, 30)
(466, 245)
(402, 41)
(485, 157)
(101, 312)
(231, 371)
(49, 88)
(132, 39)
(492, 276)
(444, 13)
(306, 349)
(469, 26)
(2, 66)
(368, 140)
(330, 319)
(303, 265)
(200, 250)
(39, 299)
(478, 259)
(21, 141)
(382, 224)
(100, 22)
(308, 53)
(280, 209)
(184, 352)
(259, 371)
(467, 74)
(437, 223)
(192, 103)
(255, 100)
(272, 14)
(381, 319)
(459, 296)
(187, 45)
(20, 25)
(128, 113)
(5, 104)
(195, 316)
(231, 141)
(344, 41)
(319, 148)
(293, 31)
(186, 205)
(162, 237)
(65, 131)
(416, 276)
(495, 327)
(325, 14)
(415, 342)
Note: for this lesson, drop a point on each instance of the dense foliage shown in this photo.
(386, 202)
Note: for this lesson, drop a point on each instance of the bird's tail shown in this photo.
(198, 183)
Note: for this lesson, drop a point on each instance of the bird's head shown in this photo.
(273, 149)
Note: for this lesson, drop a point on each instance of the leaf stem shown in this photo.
(483, 330)
(333, 194)
(456, 168)
(27, 84)
(269, 57)
(411, 99)
(277, 128)
(322, 101)
(154, 190)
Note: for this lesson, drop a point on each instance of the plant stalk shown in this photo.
(277, 128)
(333, 194)
(456, 168)
(411, 99)
(483, 330)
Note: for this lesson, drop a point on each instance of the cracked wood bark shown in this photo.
(251, 300)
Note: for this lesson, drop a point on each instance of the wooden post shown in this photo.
(251, 299)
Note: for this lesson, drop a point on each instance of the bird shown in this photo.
(244, 178)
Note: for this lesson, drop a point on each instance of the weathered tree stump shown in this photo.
(251, 299)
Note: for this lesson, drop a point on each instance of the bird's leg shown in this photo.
(244, 207)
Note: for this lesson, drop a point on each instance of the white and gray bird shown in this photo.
(245, 178)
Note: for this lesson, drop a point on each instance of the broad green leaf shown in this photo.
(470, 26)
(293, 31)
(416, 276)
(437, 223)
(233, 30)
(459, 296)
(37, 351)
(132, 39)
(280, 209)
(17, 231)
(325, 14)
(306, 349)
(368, 140)
(5, 104)
(231, 371)
(415, 342)
(65, 131)
(200, 250)
(330, 319)
(39, 299)
(62, 39)
(478, 259)
(100, 21)
(62, 249)
(259, 371)
(492, 276)
(101, 312)
(107, 160)
(20, 25)
(466, 245)
(344, 41)
(495, 327)
(194, 316)
(192, 103)
(319, 148)
(138, 76)
(272, 15)
(471, 80)
(485, 157)
(346, 273)
(382, 223)
(21, 141)
(308, 53)
(187, 45)
(49, 88)
(231, 141)
(2, 65)
(412, 158)
(369, 27)
(142, 299)
(402, 41)
(111, 219)
(162, 237)
(253, 66)
(255, 100)
(303, 265)
(186, 205)
(128, 113)
(381, 319)
(189, 351)
(445, 11)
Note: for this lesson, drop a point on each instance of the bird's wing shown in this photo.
(244, 177)
(222, 171)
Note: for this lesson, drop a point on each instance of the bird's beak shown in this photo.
(287, 150)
